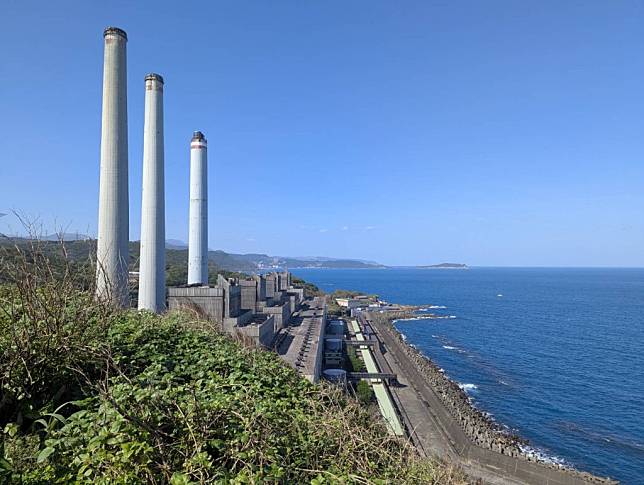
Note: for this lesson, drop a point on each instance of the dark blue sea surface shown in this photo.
(555, 354)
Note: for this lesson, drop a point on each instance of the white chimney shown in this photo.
(198, 231)
(152, 254)
(112, 252)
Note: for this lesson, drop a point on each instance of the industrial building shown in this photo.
(264, 309)
(237, 304)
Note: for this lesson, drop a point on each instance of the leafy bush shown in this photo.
(179, 403)
(364, 392)
(51, 331)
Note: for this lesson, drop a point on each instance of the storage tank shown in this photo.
(333, 345)
(338, 376)
(335, 327)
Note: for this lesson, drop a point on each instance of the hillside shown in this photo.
(79, 248)
(92, 395)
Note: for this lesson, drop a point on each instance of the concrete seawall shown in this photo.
(473, 438)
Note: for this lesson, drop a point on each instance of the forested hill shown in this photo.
(177, 254)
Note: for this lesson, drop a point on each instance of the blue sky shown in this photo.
(484, 132)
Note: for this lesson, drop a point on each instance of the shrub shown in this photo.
(364, 392)
(184, 404)
(50, 332)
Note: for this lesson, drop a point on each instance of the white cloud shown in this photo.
(345, 228)
(324, 230)
(369, 228)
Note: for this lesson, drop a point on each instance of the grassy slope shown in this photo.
(167, 399)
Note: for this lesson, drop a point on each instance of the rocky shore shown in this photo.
(482, 430)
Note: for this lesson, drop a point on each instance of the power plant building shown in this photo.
(237, 304)
(259, 308)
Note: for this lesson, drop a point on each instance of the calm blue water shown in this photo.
(559, 357)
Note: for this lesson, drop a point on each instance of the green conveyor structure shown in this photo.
(385, 404)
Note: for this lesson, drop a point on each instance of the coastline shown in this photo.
(478, 426)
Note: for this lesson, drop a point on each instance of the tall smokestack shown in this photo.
(152, 259)
(113, 210)
(198, 237)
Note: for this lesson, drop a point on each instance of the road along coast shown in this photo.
(441, 420)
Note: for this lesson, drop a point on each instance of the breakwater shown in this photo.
(480, 430)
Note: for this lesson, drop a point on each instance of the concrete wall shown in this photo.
(283, 281)
(232, 297)
(281, 313)
(299, 294)
(209, 300)
(262, 333)
(248, 294)
(261, 287)
(272, 285)
(231, 323)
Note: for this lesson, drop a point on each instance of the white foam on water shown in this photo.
(449, 347)
(542, 456)
(468, 387)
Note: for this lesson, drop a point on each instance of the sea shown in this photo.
(555, 355)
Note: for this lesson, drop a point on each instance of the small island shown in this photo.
(445, 266)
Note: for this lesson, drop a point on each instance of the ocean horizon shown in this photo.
(553, 354)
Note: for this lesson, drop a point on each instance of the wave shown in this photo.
(543, 456)
(399, 320)
(477, 361)
(468, 387)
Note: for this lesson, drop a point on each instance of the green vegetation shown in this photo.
(79, 254)
(94, 395)
(364, 392)
(354, 363)
(310, 290)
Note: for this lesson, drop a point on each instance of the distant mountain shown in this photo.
(66, 236)
(326, 259)
(242, 262)
(81, 246)
(328, 263)
(175, 244)
(444, 266)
